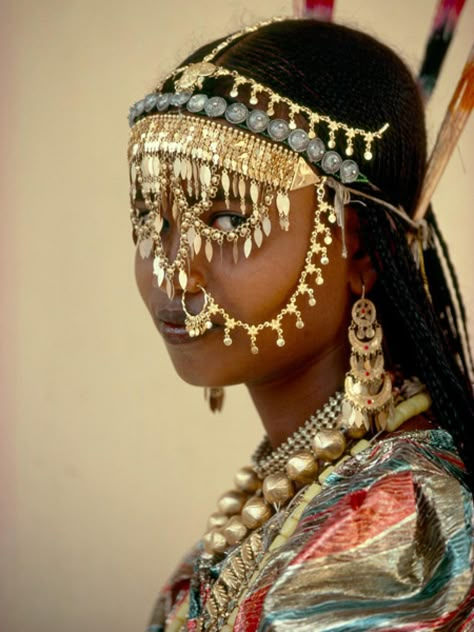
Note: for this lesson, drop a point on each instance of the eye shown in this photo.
(227, 222)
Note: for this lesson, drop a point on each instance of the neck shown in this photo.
(285, 401)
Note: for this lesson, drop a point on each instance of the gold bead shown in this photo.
(302, 467)
(328, 445)
(255, 512)
(216, 520)
(231, 502)
(206, 540)
(235, 530)
(277, 488)
(247, 480)
(214, 541)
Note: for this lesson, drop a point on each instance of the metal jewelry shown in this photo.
(214, 396)
(197, 324)
(368, 402)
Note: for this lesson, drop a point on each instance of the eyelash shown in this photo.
(236, 220)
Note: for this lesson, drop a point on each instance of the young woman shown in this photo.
(275, 177)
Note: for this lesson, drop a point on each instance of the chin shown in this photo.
(197, 369)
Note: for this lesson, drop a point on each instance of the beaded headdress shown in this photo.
(187, 147)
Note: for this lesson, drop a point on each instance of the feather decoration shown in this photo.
(442, 31)
(314, 9)
(456, 117)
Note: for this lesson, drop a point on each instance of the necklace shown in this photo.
(267, 460)
(276, 476)
(243, 563)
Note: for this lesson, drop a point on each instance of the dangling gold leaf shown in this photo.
(258, 236)
(191, 236)
(195, 179)
(267, 225)
(176, 167)
(208, 250)
(156, 266)
(183, 279)
(254, 192)
(248, 247)
(197, 243)
(145, 248)
(283, 203)
(235, 252)
(189, 170)
(205, 175)
(242, 187)
(160, 276)
(225, 182)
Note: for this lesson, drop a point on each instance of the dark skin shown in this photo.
(286, 384)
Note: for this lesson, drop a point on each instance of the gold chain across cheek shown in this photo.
(310, 276)
(178, 165)
(174, 159)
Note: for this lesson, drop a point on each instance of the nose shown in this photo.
(185, 268)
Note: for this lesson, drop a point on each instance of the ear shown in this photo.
(361, 272)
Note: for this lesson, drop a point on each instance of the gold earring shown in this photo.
(368, 401)
(214, 395)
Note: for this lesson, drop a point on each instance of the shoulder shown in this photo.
(387, 538)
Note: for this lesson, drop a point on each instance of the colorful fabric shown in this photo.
(387, 545)
(442, 31)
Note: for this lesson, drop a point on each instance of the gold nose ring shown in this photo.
(197, 324)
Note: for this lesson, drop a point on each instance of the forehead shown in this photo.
(175, 141)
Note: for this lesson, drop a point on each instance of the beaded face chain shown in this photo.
(178, 165)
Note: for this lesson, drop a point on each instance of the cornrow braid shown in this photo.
(444, 305)
(412, 329)
(310, 62)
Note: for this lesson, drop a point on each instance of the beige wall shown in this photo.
(109, 464)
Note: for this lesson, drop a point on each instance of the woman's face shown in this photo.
(253, 290)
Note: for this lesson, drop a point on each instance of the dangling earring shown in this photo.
(368, 401)
(214, 395)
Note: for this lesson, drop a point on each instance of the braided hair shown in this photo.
(352, 77)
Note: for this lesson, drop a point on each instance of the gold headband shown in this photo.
(189, 78)
(248, 163)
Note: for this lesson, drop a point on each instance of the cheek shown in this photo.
(143, 275)
(256, 288)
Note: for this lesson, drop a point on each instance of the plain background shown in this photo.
(109, 465)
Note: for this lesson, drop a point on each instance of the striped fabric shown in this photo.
(387, 545)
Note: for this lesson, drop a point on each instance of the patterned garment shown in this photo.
(387, 545)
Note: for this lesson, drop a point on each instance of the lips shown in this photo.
(171, 316)
(170, 323)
